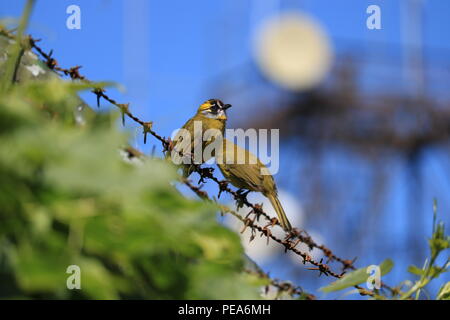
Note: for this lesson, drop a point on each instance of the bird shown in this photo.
(250, 174)
(210, 115)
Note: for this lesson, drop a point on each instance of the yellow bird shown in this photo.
(245, 171)
(210, 115)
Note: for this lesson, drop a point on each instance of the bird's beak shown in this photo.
(225, 107)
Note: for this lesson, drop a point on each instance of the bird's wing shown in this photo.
(245, 167)
(249, 176)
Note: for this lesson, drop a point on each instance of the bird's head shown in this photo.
(214, 109)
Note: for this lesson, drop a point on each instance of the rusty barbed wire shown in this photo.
(265, 231)
(282, 286)
(302, 235)
(291, 240)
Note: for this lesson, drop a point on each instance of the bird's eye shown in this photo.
(214, 108)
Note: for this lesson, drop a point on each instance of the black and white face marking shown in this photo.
(216, 106)
(217, 110)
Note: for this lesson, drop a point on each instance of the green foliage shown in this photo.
(15, 51)
(438, 243)
(68, 198)
(444, 292)
(357, 277)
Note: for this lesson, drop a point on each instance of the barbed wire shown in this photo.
(281, 286)
(265, 231)
(291, 239)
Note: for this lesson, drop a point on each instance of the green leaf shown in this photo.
(439, 241)
(438, 245)
(444, 292)
(433, 271)
(415, 270)
(357, 277)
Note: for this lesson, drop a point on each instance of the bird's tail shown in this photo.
(285, 224)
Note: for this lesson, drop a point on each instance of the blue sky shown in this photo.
(177, 47)
(169, 55)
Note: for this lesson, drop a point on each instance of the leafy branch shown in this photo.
(438, 243)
